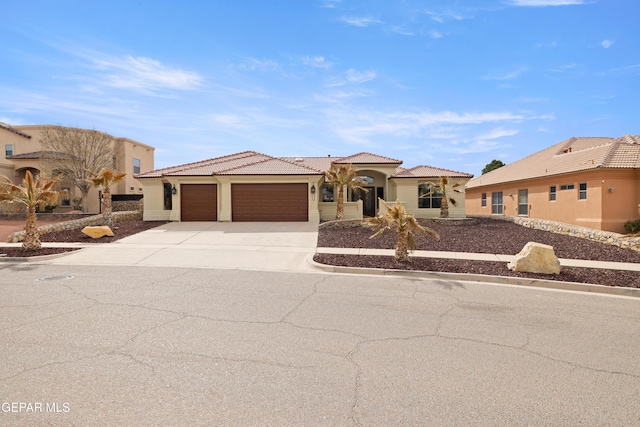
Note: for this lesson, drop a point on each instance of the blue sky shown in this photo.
(451, 84)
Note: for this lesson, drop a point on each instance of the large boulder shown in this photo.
(97, 231)
(536, 258)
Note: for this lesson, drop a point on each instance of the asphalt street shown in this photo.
(104, 345)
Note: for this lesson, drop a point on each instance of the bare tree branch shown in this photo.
(73, 153)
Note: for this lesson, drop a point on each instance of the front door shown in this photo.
(368, 201)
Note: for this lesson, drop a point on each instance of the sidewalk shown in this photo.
(231, 251)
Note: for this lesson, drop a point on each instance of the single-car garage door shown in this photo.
(198, 202)
(269, 202)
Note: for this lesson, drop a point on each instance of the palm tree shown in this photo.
(396, 218)
(443, 187)
(34, 192)
(343, 176)
(105, 179)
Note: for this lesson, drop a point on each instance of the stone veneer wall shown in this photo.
(606, 237)
(127, 205)
(18, 236)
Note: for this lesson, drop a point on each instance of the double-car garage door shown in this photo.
(269, 202)
(249, 202)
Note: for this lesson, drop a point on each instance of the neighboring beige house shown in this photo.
(250, 186)
(22, 149)
(589, 182)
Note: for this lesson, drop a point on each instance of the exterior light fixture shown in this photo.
(313, 192)
(174, 190)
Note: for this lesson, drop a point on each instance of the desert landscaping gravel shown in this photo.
(480, 236)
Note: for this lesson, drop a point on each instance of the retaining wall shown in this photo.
(18, 236)
(606, 237)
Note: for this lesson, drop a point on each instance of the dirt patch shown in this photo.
(480, 236)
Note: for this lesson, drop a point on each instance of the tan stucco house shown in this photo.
(22, 152)
(589, 182)
(250, 186)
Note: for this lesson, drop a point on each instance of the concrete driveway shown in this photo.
(271, 246)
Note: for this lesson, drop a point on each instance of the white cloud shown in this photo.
(252, 64)
(606, 44)
(564, 68)
(440, 17)
(498, 133)
(434, 34)
(227, 120)
(354, 77)
(360, 128)
(360, 21)
(146, 74)
(331, 4)
(510, 75)
(539, 3)
(316, 62)
(400, 30)
(357, 77)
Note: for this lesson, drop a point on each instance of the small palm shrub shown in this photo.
(632, 226)
(396, 219)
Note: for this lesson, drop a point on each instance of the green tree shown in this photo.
(34, 192)
(343, 176)
(395, 218)
(105, 179)
(493, 165)
(442, 187)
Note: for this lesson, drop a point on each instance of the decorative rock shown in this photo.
(96, 232)
(536, 258)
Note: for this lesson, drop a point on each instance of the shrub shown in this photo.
(632, 226)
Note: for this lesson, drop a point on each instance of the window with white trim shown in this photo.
(496, 203)
(582, 191)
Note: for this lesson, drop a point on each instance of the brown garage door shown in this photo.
(198, 202)
(269, 202)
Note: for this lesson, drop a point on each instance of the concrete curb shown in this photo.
(480, 278)
(37, 258)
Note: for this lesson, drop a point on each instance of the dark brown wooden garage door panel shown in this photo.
(269, 202)
(199, 202)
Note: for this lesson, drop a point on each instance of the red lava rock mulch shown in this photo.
(479, 236)
(121, 230)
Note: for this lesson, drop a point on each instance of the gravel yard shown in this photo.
(480, 236)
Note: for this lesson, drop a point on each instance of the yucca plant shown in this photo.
(105, 179)
(395, 218)
(442, 186)
(343, 176)
(34, 192)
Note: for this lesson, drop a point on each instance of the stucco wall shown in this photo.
(602, 210)
(129, 149)
(154, 193)
(406, 190)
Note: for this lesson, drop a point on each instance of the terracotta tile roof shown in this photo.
(429, 172)
(320, 164)
(14, 130)
(367, 158)
(244, 163)
(571, 155)
(271, 166)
